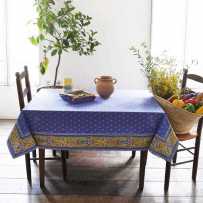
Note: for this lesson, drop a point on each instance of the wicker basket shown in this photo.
(181, 120)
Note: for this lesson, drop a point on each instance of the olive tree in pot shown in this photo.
(62, 29)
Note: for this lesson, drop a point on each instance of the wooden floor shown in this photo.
(100, 177)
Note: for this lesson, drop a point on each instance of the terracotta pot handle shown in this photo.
(114, 81)
(95, 80)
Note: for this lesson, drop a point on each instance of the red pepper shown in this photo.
(191, 101)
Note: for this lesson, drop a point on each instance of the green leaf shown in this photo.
(41, 37)
(42, 69)
(54, 52)
(44, 65)
(34, 41)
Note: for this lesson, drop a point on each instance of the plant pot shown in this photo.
(105, 86)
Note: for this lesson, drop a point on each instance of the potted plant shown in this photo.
(163, 78)
(62, 29)
(183, 109)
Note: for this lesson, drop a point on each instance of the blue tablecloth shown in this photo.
(128, 120)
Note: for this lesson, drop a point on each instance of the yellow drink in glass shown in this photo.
(67, 84)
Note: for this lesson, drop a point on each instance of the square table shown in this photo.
(128, 120)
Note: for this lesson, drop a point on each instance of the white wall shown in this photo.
(20, 52)
(120, 24)
(8, 103)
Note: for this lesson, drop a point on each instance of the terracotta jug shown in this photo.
(105, 86)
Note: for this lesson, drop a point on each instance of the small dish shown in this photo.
(78, 96)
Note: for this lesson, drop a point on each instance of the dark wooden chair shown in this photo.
(22, 93)
(182, 138)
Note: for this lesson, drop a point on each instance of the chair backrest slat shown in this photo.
(27, 84)
(184, 81)
(27, 91)
(193, 77)
(196, 78)
(199, 79)
(20, 91)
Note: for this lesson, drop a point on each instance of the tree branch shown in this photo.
(57, 67)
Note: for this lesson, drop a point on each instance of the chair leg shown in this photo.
(63, 160)
(41, 167)
(175, 158)
(34, 155)
(28, 168)
(196, 158)
(167, 176)
(143, 161)
(133, 154)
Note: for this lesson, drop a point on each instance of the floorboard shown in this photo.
(103, 177)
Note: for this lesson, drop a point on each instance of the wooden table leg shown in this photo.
(54, 153)
(143, 161)
(63, 160)
(28, 168)
(41, 167)
(133, 154)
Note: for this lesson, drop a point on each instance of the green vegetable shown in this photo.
(190, 107)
